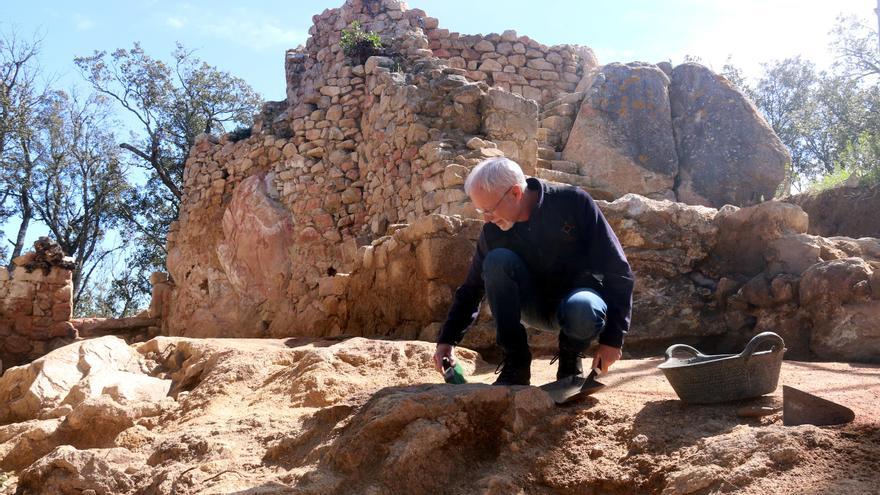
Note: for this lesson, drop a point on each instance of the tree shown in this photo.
(172, 105)
(20, 96)
(77, 179)
(117, 289)
(855, 44)
(785, 94)
(735, 76)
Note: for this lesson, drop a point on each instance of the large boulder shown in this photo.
(745, 233)
(662, 238)
(622, 136)
(59, 381)
(258, 235)
(417, 439)
(727, 154)
(68, 471)
(851, 334)
(664, 242)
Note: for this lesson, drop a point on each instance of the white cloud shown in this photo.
(175, 22)
(757, 31)
(242, 26)
(82, 22)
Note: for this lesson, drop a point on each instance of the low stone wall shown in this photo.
(35, 304)
(36, 301)
(709, 278)
(849, 211)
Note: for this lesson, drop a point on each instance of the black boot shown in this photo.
(569, 357)
(515, 369)
(569, 363)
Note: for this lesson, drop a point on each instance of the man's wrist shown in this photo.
(611, 339)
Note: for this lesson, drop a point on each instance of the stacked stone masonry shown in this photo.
(343, 212)
(355, 149)
(35, 304)
(514, 63)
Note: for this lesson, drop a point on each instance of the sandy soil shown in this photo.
(367, 416)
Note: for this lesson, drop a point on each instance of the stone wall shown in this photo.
(513, 63)
(706, 277)
(355, 149)
(36, 300)
(35, 304)
(849, 210)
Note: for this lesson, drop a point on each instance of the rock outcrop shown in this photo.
(622, 137)
(727, 152)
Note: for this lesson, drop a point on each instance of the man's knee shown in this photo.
(582, 315)
(500, 261)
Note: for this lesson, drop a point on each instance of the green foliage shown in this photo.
(173, 103)
(829, 120)
(854, 43)
(77, 179)
(735, 76)
(240, 133)
(21, 96)
(118, 293)
(359, 44)
(834, 179)
(862, 157)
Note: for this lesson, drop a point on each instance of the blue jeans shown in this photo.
(577, 316)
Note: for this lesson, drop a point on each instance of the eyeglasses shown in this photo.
(491, 211)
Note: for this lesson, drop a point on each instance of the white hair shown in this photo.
(495, 174)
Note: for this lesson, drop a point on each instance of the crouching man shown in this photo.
(548, 257)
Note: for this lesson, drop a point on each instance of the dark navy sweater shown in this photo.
(566, 244)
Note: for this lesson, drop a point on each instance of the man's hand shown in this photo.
(443, 350)
(605, 356)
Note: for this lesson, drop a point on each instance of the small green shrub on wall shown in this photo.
(358, 44)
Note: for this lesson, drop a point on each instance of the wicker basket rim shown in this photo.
(676, 363)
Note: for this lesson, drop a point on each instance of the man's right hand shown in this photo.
(443, 351)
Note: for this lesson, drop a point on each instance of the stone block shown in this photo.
(484, 46)
(490, 65)
(540, 64)
(454, 175)
(61, 311)
(333, 286)
(24, 259)
(443, 258)
(16, 344)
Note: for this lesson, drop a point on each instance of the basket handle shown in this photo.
(671, 350)
(763, 338)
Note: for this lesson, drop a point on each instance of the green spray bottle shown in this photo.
(453, 374)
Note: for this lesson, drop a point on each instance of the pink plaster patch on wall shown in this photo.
(258, 236)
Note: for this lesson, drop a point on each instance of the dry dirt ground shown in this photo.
(364, 416)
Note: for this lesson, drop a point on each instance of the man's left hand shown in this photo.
(605, 356)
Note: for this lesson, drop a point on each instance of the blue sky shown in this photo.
(249, 40)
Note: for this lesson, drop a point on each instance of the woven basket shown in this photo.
(701, 379)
